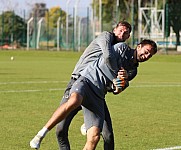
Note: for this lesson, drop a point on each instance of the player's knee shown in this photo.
(62, 139)
(96, 138)
(108, 137)
(75, 100)
(60, 131)
(93, 139)
(93, 135)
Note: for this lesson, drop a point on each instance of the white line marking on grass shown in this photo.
(169, 148)
(163, 84)
(61, 89)
(158, 85)
(31, 82)
(27, 91)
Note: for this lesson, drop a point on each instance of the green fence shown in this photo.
(58, 30)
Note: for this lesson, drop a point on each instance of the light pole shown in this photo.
(75, 21)
(38, 33)
(100, 16)
(28, 32)
(139, 20)
(79, 33)
(58, 34)
(117, 10)
(132, 12)
(67, 20)
(93, 20)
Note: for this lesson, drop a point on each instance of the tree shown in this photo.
(110, 11)
(115, 11)
(173, 18)
(53, 15)
(127, 10)
(38, 10)
(13, 27)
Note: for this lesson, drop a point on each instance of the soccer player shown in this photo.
(90, 88)
(101, 45)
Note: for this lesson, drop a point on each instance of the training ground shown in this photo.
(145, 116)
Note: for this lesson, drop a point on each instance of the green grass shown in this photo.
(146, 116)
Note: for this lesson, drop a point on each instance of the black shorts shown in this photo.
(92, 105)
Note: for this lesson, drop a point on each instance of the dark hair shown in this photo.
(124, 23)
(150, 42)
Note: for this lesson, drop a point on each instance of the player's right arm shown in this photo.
(105, 41)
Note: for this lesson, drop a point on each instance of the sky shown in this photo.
(82, 4)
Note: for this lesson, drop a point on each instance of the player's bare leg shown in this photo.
(93, 137)
(74, 101)
(62, 111)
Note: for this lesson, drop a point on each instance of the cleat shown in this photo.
(36, 141)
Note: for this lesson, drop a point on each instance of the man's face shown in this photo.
(122, 33)
(144, 52)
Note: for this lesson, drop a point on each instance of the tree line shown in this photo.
(14, 26)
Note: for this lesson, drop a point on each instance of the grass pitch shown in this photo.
(146, 116)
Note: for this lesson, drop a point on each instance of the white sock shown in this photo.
(43, 132)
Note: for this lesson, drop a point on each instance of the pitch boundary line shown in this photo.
(169, 148)
(39, 82)
(158, 85)
(27, 91)
(61, 89)
(31, 82)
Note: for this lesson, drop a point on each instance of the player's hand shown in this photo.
(117, 91)
(122, 73)
(119, 84)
